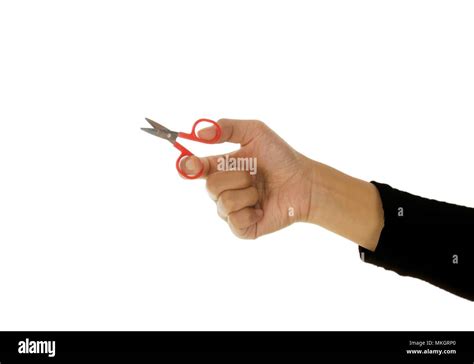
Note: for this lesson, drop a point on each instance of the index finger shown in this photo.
(233, 131)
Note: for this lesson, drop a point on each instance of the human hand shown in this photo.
(276, 196)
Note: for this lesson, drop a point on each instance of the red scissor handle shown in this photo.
(186, 153)
(193, 135)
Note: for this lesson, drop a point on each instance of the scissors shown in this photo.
(165, 133)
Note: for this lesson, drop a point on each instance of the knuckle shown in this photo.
(231, 219)
(213, 183)
(221, 214)
(235, 220)
(249, 237)
(254, 194)
(248, 218)
(226, 201)
(244, 234)
(260, 124)
(239, 219)
(238, 234)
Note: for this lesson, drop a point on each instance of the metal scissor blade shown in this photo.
(151, 131)
(168, 135)
(156, 126)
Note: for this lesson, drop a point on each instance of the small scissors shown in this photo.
(164, 133)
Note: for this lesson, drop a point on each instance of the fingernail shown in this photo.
(191, 164)
(207, 133)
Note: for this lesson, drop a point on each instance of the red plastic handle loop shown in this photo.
(196, 138)
(186, 153)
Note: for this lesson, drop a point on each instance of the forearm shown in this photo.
(430, 240)
(346, 206)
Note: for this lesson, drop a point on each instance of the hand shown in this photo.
(254, 205)
(287, 188)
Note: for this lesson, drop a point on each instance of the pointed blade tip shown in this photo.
(149, 130)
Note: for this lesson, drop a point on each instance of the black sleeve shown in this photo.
(426, 239)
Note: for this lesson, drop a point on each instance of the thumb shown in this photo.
(192, 165)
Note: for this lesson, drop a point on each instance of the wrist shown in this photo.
(345, 205)
(324, 189)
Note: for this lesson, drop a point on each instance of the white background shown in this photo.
(97, 231)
